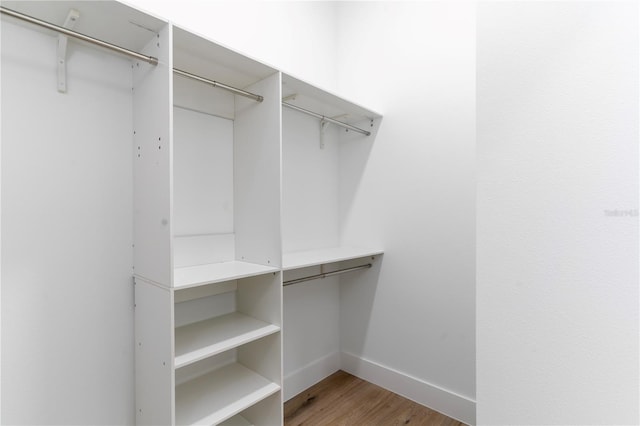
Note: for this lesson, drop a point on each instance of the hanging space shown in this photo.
(325, 146)
(67, 194)
(209, 304)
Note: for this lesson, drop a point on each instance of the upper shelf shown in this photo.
(307, 96)
(113, 22)
(205, 58)
(193, 276)
(308, 258)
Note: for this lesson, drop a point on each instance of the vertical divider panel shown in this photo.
(265, 412)
(155, 400)
(257, 175)
(257, 195)
(152, 151)
(152, 159)
(264, 356)
(261, 297)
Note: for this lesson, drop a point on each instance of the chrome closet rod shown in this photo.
(330, 120)
(326, 274)
(150, 59)
(223, 86)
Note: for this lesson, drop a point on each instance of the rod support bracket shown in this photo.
(323, 126)
(69, 23)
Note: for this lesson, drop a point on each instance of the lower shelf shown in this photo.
(220, 395)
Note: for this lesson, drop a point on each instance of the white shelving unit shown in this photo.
(211, 321)
(230, 194)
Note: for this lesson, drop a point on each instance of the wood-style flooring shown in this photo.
(345, 400)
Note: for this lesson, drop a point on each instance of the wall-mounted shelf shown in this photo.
(300, 93)
(324, 256)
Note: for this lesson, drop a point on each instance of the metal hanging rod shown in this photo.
(150, 59)
(217, 84)
(326, 274)
(323, 118)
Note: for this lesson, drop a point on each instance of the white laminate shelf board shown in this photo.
(220, 395)
(236, 421)
(308, 258)
(203, 339)
(192, 276)
(112, 22)
(322, 101)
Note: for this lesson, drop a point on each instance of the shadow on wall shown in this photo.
(357, 296)
(355, 151)
(359, 226)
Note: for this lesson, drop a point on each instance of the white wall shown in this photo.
(67, 305)
(415, 63)
(557, 291)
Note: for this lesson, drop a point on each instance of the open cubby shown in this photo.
(222, 351)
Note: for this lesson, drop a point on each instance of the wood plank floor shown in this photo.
(345, 400)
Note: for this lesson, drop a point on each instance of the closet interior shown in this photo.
(242, 181)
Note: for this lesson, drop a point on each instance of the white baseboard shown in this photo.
(446, 402)
(299, 380)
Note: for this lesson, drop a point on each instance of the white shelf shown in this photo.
(236, 421)
(192, 276)
(200, 340)
(308, 258)
(220, 395)
(323, 102)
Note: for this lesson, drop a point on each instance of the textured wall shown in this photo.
(557, 267)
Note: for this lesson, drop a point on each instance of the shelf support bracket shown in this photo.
(69, 23)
